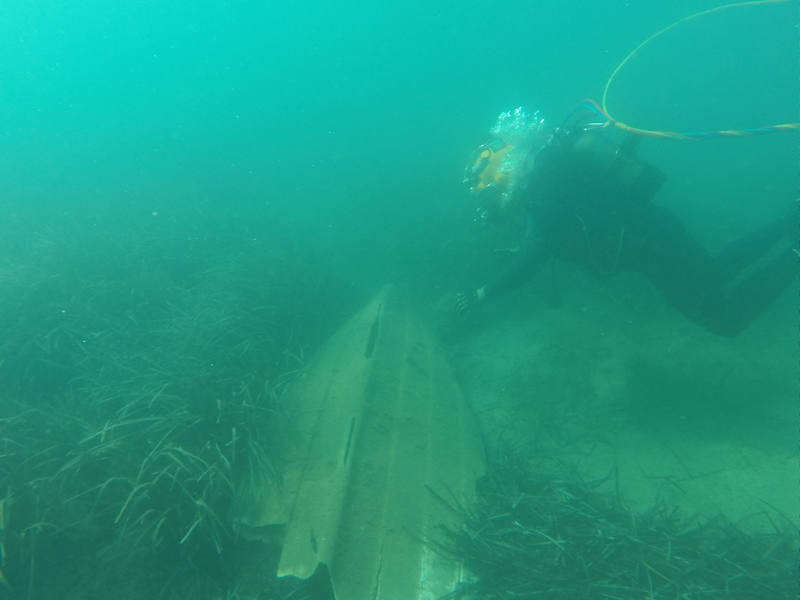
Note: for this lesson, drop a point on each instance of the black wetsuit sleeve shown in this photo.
(524, 265)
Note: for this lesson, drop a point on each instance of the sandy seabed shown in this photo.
(621, 387)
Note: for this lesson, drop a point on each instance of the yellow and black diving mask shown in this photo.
(494, 167)
(490, 175)
(485, 168)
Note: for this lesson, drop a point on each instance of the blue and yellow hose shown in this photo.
(602, 109)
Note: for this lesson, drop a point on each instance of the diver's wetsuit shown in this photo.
(597, 212)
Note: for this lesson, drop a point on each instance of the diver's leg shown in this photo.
(744, 300)
(698, 284)
(658, 246)
(748, 249)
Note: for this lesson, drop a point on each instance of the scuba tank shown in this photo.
(597, 153)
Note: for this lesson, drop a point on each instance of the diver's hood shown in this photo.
(496, 167)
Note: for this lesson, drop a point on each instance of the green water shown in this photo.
(352, 123)
(195, 194)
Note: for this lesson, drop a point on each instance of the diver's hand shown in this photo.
(463, 302)
(466, 300)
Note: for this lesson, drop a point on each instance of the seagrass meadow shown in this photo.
(140, 376)
(138, 380)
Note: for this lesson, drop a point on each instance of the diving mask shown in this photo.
(495, 167)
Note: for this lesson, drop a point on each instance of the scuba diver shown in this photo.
(586, 198)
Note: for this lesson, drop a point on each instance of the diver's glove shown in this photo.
(466, 300)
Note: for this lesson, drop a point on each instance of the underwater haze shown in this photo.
(195, 194)
(351, 123)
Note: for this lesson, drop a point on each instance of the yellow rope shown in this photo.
(673, 134)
